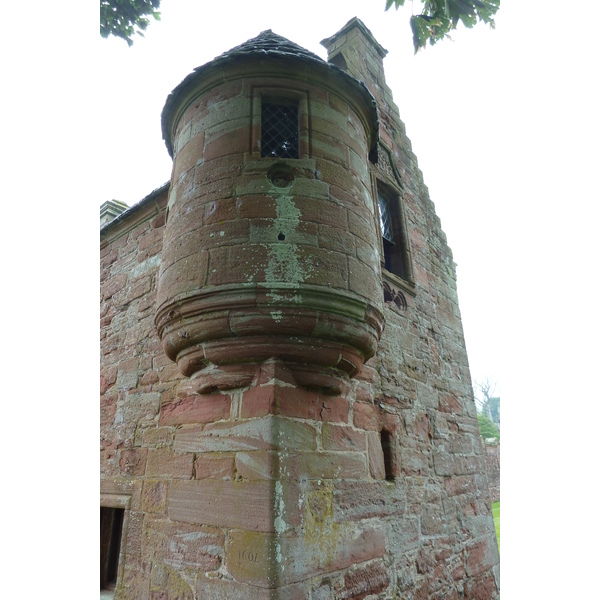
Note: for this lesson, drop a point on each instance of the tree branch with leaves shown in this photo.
(126, 18)
(439, 17)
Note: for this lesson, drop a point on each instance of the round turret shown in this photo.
(270, 246)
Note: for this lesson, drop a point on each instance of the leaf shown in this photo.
(421, 33)
(126, 18)
(396, 3)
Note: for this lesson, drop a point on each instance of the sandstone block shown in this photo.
(294, 402)
(270, 560)
(228, 589)
(215, 466)
(248, 505)
(154, 496)
(358, 500)
(376, 459)
(133, 461)
(459, 485)
(360, 582)
(301, 465)
(235, 141)
(189, 155)
(163, 462)
(180, 545)
(366, 416)
(443, 463)
(267, 433)
(341, 437)
(196, 409)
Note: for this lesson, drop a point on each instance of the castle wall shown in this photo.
(420, 381)
(266, 483)
(492, 467)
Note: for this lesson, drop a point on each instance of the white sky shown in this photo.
(505, 125)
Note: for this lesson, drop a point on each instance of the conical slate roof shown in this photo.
(268, 42)
(265, 43)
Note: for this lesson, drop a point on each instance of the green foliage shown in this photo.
(125, 18)
(487, 429)
(439, 17)
(496, 513)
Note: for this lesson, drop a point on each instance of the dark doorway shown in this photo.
(111, 529)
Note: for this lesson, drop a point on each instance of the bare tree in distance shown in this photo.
(484, 391)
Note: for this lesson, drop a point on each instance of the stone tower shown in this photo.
(286, 401)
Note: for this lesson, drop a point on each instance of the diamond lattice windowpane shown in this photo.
(279, 130)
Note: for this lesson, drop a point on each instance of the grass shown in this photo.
(496, 513)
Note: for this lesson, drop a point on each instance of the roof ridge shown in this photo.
(269, 42)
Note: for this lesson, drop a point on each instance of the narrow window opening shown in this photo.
(394, 245)
(111, 529)
(387, 445)
(279, 130)
(281, 237)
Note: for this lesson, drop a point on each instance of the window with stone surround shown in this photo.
(279, 129)
(396, 255)
(280, 123)
(114, 511)
(111, 529)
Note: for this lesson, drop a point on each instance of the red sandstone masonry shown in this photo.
(301, 466)
(133, 461)
(164, 462)
(215, 466)
(247, 505)
(202, 471)
(293, 402)
(340, 437)
(196, 409)
(154, 496)
(301, 558)
(180, 545)
(372, 579)
(269, 433)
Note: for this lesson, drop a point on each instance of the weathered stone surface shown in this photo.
(227, 589)
(316, 436)
(196, 409)
(163, 462)
(363, 581)
(179, 545)
(248, 505)
(215, 465)
(267, 433)
(301, 465)
(154, 496)
(366, 499)
(133, 461)
(270, 560)
(340, 437)
(294, 402)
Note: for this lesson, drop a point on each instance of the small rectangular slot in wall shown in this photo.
(387, 445)
(111, 530)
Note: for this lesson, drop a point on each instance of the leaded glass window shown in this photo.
(385, 218)
(279, 130)
(394, 242)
